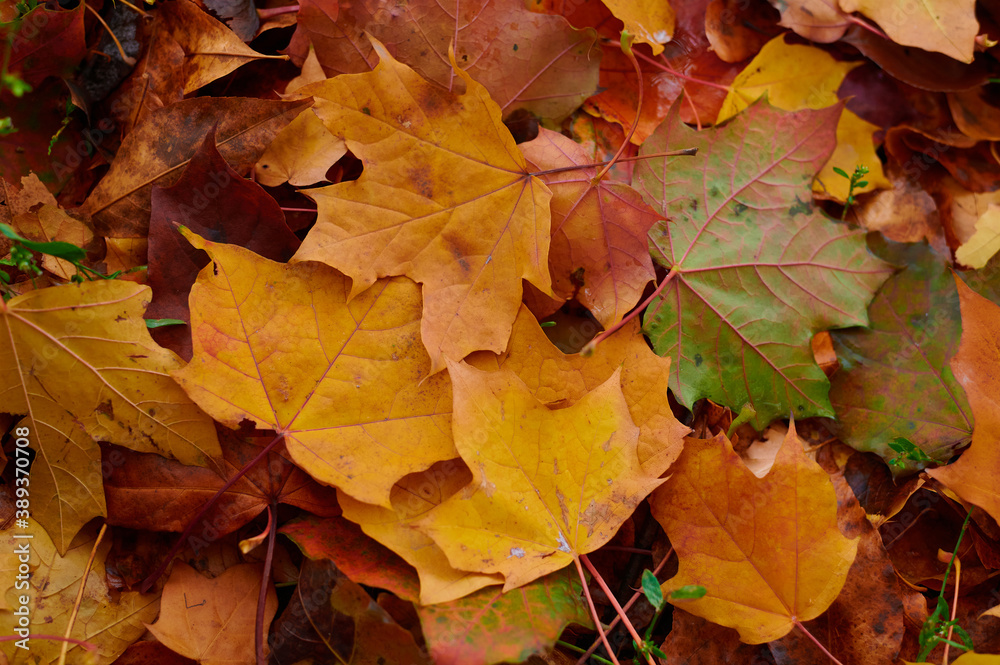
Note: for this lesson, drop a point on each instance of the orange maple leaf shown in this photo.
(445, 199)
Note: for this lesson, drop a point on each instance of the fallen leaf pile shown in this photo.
(413, 333)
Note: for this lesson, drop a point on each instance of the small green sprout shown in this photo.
(856, 182)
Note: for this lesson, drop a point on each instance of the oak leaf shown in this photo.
(445, 199)
(79, 362)
(758, 268)
(212, 620)
(110, 620)
(281, 346)
(157, 150)
(973, 476)
(548, 485)
(768, 551)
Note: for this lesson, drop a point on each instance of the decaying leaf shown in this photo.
(757, 268)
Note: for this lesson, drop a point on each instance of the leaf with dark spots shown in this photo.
(749, 292)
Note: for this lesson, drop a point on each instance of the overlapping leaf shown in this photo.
(120, 391)
(209, 619)
(598, 231)
(445, 199)
(108, 619)
(523, 59)
(280, 346)
(768, 551)
(973, 476)
(491, 626)
(157, 150)
(757, 268)
(894, 380)
(547, 485)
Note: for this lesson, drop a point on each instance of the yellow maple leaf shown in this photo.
(280, 346)
(548, 485)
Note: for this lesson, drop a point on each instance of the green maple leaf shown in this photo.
(759, 270)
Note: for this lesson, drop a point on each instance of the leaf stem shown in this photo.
(573, 647)
(819, 644)
(592, 344)
(627, 50)
(614, 603)
(262, 597)
(577, 167)
(79, 595)
(275, 11)
(593, 612)
(151, 580)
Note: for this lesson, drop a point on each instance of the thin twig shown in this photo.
(272, 531)
(127, 59)
(79, 595)
(632, 601)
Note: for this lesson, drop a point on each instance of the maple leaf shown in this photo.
(523, 59)
(445, 199)
(649, 21)
(796, 77)
(110, 620)
(209, 619)
(547, 485)
(758, 268)
(36, 54)
(413, 497)
(597, 228)
(157, 150)
(280, 346)
(358, 556)
(768, 551)
(973, 476)
(79, 362)
(211, 49)
(150, 492)
(894, 379)
(491, 626)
